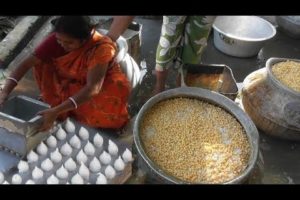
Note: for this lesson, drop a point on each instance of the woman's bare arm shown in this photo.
(95, 78)
(17, 75)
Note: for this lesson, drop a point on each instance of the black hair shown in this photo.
(78, 27)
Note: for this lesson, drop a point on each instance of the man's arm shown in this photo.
(118, 26)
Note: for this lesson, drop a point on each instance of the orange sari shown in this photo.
(66, 75)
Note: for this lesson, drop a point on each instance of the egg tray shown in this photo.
(120, 177)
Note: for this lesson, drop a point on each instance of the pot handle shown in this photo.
(291, 112)
(226, 39)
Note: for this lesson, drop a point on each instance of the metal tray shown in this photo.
(19, 124)
(214, 77)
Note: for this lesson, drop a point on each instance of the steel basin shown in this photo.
(241, 36)
(155, 173)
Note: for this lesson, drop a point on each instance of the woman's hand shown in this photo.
(49, 116)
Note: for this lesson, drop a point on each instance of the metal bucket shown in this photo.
(158, 175)
(241, 36)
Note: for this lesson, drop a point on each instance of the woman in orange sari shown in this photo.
(76, 76)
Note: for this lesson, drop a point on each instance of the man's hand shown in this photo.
(49, 116)
(119, 26)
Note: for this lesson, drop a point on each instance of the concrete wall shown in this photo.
(18, 38)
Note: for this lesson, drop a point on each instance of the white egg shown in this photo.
(42, 149)
(127, 156)
(47, 165)
(1, 178)
(69, 126)
(89, 149)
(81, 157)
(61, 134)
(37, 173)
(95, 165)
(110, 173)
(55, 156)
(98, 140)
(30, 182)
(62, 173)
(66, 149)
(75, 142)
(16, 179)
(52, 180)
(119, 164)
(84, 171)
(23, 166)
(32, 157)
(77, 179)
(112, 148)
(51, 141)
(5, 183)
(105, 158)
(101, 179)
(83, 133)
(70, 165)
